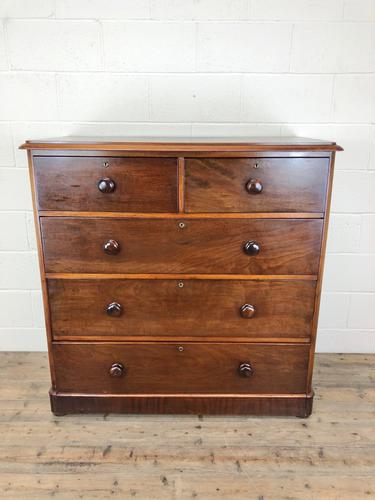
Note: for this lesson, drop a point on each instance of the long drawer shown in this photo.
(216, 246)
(177, 308)
(256, 184)
(170, 368)
(106, 184)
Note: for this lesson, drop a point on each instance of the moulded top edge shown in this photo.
(182, 144)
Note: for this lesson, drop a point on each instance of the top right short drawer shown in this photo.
(256, 184)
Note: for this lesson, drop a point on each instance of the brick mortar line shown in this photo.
(200, 20)
(91, 72)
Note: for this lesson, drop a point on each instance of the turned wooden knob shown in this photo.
(254, 186)
(245, 369)
(111, 247)
(117, 370)
(106, 185)
(247, 311)
(251, 248)
(114, 309)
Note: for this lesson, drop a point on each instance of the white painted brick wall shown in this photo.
(28, 96)
(75, 46)
(99, 9)
(3, 55)
(25, 8)
(244, 47)
(149, 46)
(297, 10)
(193, 67)
(333, 48)
(287, 97)
(199, 9)
(360, 107)
(195, 97)
(359, 10)
(6, 145)
(103, 97)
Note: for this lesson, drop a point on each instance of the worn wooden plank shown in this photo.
(113, 457)
(255, 433)
(183, 486)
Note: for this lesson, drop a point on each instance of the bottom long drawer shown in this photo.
(188, 368)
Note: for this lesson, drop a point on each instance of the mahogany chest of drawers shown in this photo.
(181, 276)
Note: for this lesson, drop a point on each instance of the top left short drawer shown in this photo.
(92, 184)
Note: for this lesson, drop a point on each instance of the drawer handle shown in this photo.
(245, 369)
(247, 311)
(117, 370)
(254, 186)
(114, 309)
(251, 248)
(106, 185)
(111, 247)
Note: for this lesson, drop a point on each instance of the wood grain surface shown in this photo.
(140, 184)
(191, 246)
(174, 368)
(287, 184)
(175, 308)
(185, 144)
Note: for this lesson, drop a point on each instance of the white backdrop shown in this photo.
(203, 67)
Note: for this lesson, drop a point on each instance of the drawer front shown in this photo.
(106, 184)
(167, 368)
(212, 308)
(256, 185)
(221, 246)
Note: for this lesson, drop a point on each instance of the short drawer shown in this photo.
(106, 184)
(181, 308)
(170, 368)
(256, 185)
(208, 246)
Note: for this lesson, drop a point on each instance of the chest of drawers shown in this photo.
(180, 275)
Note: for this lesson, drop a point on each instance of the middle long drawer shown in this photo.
(181, 308)
(207, 246)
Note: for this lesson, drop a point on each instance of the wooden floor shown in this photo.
(331, 455)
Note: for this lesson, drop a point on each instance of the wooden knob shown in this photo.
(114, 309)
(117, 370)
(254, 186)
(111, 247)
(245, 369)
(106, 185)
(251, 248)
(247, 311)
